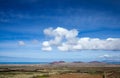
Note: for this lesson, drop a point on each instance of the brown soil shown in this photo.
(76, 75)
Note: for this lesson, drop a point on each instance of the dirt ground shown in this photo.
(76, 75)
(58, 71)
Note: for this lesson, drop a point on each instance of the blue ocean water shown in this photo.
(24, 62)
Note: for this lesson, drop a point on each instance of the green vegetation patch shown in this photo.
(41, 76)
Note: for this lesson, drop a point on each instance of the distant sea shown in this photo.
(113, 62)
(24, 62)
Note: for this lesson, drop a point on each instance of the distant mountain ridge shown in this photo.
(95, 62)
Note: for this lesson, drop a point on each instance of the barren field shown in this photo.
(77, 75)
(59, 71)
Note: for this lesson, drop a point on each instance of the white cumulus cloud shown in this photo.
(46, 48)
(21, 43)
(105, 56)
(68, 40)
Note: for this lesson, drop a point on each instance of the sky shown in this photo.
(54, 30)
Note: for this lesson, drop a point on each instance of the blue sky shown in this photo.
(23, 24)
